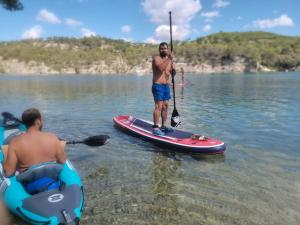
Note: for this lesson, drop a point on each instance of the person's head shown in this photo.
(32, 117)
(163, 49)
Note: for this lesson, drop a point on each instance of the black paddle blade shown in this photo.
(10, 121)
(175, 119)
(173, 72)
(97, 140)
(7, 115)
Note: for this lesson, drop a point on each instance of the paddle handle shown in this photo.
(73, 142)
(171, 43)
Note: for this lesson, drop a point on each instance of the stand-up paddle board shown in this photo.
(176, 139)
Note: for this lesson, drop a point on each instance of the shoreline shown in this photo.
(132, 74)
(14, 66)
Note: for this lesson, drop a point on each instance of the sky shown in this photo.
(147, 20)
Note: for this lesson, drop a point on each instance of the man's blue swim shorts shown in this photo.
(161, 92)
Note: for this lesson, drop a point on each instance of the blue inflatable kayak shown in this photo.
(60, 205)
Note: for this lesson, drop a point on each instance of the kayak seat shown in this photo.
(41, 178)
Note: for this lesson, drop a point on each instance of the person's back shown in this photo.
(34, 146)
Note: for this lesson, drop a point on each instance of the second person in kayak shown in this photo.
(34, 146)
(162, 66)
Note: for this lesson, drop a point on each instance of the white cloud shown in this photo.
(206, 28)
(183, 11)
(239, 18)
(221, 4)
(49, 17)
(152, 40)
(210, 16)
(33, 33)
(283, 21)
(162, 33)
(126, 29)
(87, 32)
(72, 22)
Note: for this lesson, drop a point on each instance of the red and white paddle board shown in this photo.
(176, 139)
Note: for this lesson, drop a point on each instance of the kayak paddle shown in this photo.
(175, 119)
(9, 116)
(97, 140)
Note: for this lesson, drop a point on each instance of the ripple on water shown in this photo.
(130, 181)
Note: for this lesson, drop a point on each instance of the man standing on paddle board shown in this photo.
(162, 68)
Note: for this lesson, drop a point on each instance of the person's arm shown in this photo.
(10, 165)
(172, 64)
(171, 68)
(4, 152)
(61, 156)
(160, 64)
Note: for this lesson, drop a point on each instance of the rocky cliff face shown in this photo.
(238, 65)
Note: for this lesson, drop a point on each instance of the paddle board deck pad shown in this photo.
(58, 206)
(176, 139)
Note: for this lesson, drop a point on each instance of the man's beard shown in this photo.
(163, 54)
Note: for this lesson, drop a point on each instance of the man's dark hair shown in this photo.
(29, 116)
(163, 43)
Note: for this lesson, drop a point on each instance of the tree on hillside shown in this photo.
(11, 5)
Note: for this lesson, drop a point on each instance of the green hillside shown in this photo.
(270, 50)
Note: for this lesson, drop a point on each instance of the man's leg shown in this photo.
(164, 113)
(156, 113)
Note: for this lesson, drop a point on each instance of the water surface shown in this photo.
(130, 181)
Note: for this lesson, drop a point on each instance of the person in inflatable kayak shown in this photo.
(162, 66)
(31, 148)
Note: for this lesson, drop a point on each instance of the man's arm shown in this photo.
(4, 152)
(161, 64)
(10, 165)
(61, 156)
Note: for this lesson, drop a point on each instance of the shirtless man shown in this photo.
(34, 146)
(162, 68)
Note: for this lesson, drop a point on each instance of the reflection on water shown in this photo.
(130, 181)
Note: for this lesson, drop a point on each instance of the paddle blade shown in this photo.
(10, 121)
(175, 119)
(9, 116)
(173, 72)
(97, 140)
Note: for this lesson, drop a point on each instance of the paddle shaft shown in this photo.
(171, 43)
(74, 142)
(97, 140)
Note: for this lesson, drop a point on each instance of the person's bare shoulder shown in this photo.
(51, 136)
(17, 139)
(155, 57)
